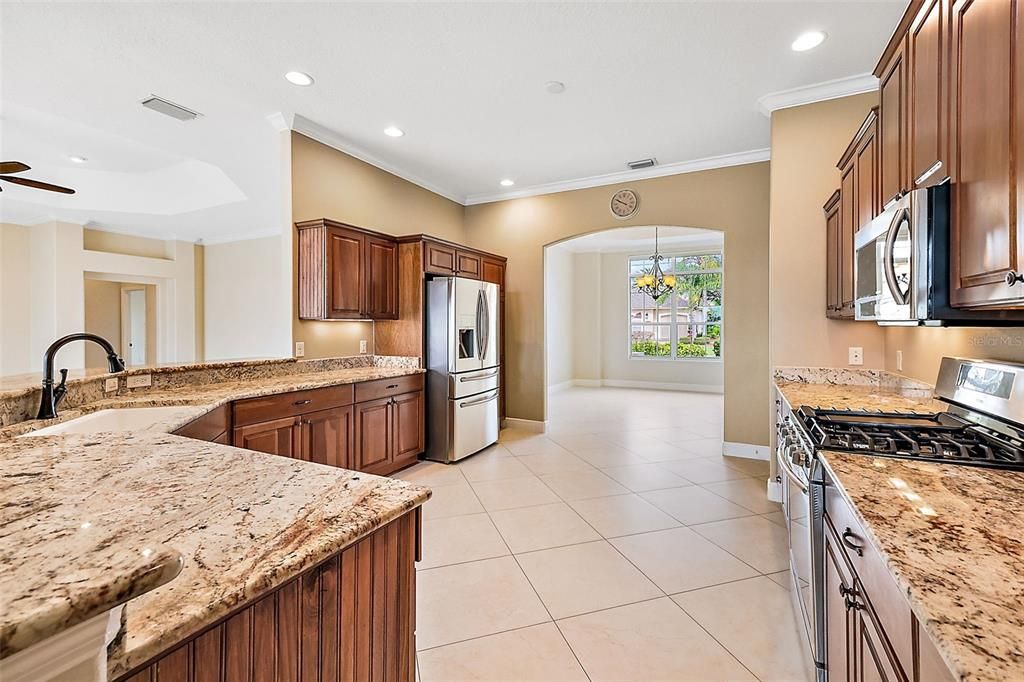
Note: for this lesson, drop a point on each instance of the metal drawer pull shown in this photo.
(478, 402)
(302, 402)
(847, 534)
(1013, 277)
(478, 377)
(392, 386)
(928, 173)
(853, 604)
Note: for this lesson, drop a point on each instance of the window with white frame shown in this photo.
(687, 321)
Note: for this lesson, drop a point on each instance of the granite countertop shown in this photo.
(961, 564)
(92, 521)
(846, 397)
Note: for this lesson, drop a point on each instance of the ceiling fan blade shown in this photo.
(38, 185)
(12, 167)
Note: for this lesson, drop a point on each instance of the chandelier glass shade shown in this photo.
(654, 282)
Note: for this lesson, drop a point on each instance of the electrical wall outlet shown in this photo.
(899, 361)
(110, 385)
(856, 355)
(300, 349)
(140, 380)
(362, 346)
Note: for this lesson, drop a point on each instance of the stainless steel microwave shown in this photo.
(901, 271)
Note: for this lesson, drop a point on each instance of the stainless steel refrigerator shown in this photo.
(462, 367)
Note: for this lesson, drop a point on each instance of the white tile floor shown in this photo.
(618, 546)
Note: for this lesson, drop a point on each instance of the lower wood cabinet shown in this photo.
(389, 432)
(327, 437)
(349, 619)
(870, 631)
(275, 437)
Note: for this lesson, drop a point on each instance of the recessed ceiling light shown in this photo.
(78, 159)
(507, 183)
(555, 87)
(392, 131)
(299, 78)
(808, 41)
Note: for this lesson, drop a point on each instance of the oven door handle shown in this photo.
(792, 475)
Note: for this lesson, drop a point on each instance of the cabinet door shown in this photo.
(439, 259)
(345, 280)
(467, 264)
(381, 284)
(373, 436)
(832, 228)
(328, 437)
(847, 227)
(873, 661)
(985, 243)
(928, 97)
(838, 635)
(892, 128)
(492, 270)
(867, 179)
(407, 425)
(275, 437)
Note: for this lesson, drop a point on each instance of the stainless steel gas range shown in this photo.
(983, 425)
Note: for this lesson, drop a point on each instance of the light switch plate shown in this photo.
(899, 361)
(300, 349)
(110, 385)
(362, 346)
(856, 355)
(140, 380)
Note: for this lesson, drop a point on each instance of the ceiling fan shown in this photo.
(8, 167)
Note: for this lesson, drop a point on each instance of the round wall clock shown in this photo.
(625, 203)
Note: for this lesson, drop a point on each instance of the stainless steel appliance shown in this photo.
(982, 426)
(462, 367)
(901, 272)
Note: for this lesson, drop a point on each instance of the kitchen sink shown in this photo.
(126, 419)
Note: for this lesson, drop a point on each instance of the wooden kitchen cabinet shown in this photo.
(438, 258)
(328, 437)
(274, 437)
(838, 624)
(373, 435)
(407, 425)
(893, 169)
(346, 272)
(928, 54)
(858, 169)
(987, 105)
(832, 209)
(467, 264)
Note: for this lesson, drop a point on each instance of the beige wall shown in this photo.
(327, 183)
(588, 303)
(125, 244)
(807, 142)
(734, 200)
(103, 317)
(559, 277)
(924, 347)
(15, 301)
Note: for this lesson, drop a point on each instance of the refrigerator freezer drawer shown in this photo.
(474, 424)
(471, 383)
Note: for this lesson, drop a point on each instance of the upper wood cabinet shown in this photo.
(986, 251)
(832, 210)
(346, 272)
(894, 175)
(440, 258)
(928, 54)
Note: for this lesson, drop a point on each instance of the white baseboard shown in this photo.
(746, 450)
(624, 383)
(526, 424)
(774, 491)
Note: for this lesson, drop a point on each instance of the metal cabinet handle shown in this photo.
(392, 386)
(297, 403)
(853, 604)
(1013, 277)
(847, 534)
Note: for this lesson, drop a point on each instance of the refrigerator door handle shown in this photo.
(478, 377)
(486, 326)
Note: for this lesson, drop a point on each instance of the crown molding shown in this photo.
(313, 130)
(818, 92)
(707, 163)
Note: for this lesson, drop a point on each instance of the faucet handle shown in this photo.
(61, 389)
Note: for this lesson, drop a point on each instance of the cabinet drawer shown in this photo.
(255, 410)
(382, 388)
(877, 583)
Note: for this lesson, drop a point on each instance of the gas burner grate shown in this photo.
(939, 438)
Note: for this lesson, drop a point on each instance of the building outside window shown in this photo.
(685, 323)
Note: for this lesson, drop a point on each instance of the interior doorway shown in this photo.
(134, 321)
(124, 313)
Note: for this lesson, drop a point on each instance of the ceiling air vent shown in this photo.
(642, 163)
(168, 108)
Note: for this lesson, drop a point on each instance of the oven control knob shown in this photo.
(1012, 277)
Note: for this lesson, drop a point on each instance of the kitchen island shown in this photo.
(287, 567)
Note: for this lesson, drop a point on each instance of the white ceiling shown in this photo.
(676, 81)
(640, 240)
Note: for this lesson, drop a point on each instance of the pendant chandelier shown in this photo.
(655, 283)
